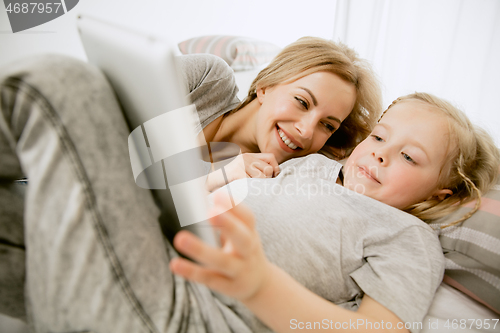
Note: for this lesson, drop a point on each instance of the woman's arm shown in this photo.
(212, 89)
(241, 270)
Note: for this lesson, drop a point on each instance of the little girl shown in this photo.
(350, 252)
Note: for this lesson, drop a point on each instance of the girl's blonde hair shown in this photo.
(472, 167)
(310, 55)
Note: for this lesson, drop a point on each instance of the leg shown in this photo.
(12, 250)
(96, 257)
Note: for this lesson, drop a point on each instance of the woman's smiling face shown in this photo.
(297, 118)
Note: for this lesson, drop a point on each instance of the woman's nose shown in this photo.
(305, 127)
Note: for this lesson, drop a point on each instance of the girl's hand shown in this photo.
(249, 165)
(238, 269)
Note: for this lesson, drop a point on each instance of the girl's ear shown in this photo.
(261, 92)
(442, 194)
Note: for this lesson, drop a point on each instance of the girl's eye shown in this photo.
(408, 158)
(377, 138)
(302, 102)
(329, 127)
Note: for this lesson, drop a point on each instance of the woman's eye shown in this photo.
(377, 138)
(329, 127)
(303, 103)
(408, 158)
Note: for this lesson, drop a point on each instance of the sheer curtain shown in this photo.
(450, 48)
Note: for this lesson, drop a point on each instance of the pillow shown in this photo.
(472, 250)
(241, 53)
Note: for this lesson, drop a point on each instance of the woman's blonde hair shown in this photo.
(310, 55)
(472, 167)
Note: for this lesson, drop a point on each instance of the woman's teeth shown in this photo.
(286, 140)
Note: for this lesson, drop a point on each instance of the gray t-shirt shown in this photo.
(211, 85)
(341, 244)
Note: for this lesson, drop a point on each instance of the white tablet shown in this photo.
(164, 150)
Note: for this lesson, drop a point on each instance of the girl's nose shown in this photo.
(380, 156)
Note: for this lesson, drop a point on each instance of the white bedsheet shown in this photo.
(450, 306)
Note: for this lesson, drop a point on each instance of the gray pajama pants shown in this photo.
(95, 257)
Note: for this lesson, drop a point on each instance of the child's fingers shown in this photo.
(245, 214)
(234, 230)
(197, 273)
(241, 211)
(214, 258)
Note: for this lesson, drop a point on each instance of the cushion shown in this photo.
(472, 250)
(241, 53)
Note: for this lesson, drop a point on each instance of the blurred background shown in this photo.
(446, 47)
(450, 48)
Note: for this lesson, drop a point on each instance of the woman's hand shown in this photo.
(259, 165)
(239, 268)
(249, 165)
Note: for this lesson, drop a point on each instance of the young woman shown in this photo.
(315, 95)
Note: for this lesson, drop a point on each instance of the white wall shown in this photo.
(280, 22)
(447, 47)
(450, 48)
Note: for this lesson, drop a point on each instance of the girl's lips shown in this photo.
(368, 174)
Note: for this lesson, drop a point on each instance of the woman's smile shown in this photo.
(287, 142)
(301, 115)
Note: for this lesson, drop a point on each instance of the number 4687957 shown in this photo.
(471, 323)
(33, 7)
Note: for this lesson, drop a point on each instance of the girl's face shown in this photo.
(296, 119)
(400, 162)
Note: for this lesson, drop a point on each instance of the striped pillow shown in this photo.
(241, 53)
(472, 250)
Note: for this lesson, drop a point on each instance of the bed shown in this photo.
(468, 299)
